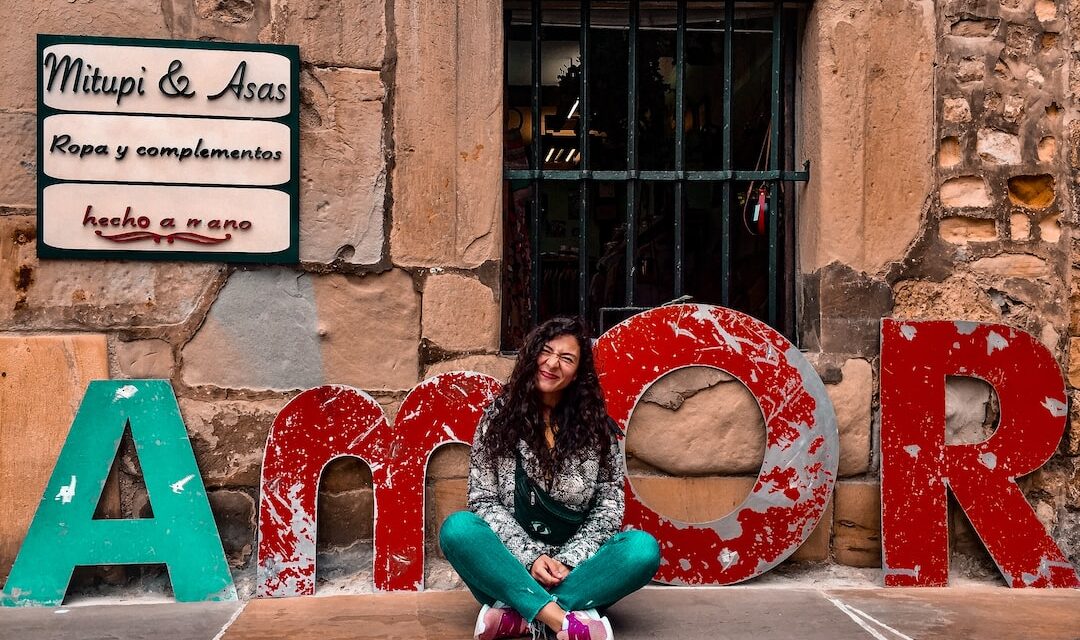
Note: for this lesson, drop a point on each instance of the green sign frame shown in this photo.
(290, 255)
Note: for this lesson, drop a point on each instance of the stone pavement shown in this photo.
(672, 613)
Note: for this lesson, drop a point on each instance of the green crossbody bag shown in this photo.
(543, 518)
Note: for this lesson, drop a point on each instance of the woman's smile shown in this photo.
(556, 367)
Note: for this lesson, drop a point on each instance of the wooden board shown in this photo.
(42, 381)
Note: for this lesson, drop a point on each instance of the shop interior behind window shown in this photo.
(561, 147)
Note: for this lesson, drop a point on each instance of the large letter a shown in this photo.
(182, 533)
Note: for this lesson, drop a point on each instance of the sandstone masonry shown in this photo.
(944, 143)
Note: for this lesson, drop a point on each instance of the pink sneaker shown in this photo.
(497, 622)
(586, 625)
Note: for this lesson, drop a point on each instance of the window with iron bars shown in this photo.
(692, 201)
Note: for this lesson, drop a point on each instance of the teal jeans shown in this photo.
(622, 565)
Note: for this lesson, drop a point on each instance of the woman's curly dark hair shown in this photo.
(580, 418)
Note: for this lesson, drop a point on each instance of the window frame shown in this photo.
(783, 63)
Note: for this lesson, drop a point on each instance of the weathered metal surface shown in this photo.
(328, 422)
(182, 534)
(917, 466)
(438, 411)
(802, 445)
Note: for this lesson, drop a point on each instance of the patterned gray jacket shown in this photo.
(580, 483)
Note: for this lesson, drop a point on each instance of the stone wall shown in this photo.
(942, 138)
(943, 189)
(399, 187)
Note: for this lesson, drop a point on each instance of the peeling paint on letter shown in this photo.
(125, 392)
(1057, 408)
(178, 486)
(982, 477)
(802, 445)
(994, 342)
(67, 492)
(309, 432)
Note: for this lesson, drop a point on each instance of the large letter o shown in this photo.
(802, 445)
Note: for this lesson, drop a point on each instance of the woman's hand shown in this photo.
(548, 571)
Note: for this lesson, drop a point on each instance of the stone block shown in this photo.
(229, 20)
(332, 33)
(449, 461)
(1074, 301)
(1013, 108)
(816, 548)
(701, 499)
(342, 166)
(345, 518)
(956, 110)
(853, 65)
(390, 405)
(283, 330)
(1020, 226)
(499, 367)
(962, 230)
(264, 325)
(674, 388)
(970, 69)
(959, 296)
(851, 305)
(856, 538)
(1033, 192)
(1045, 10)
(1014, 265)
(719, 430)
(965, 192)
(1074, 362)
(851, 398)
(369, 328)
(969, 410)
(444, 497)
(460, 314)
(949, 153)
(1058, 480)
(144, 359)
(84, 295)
(446, 195)
(18, 263)
(479, 131)
(1050, 229)
(42, 382)
(346, 473)
(1019, 40)
(18, 159)
(1047, 149)
(229, 437)
(998, 147)
(972, 27)
(234, 513)
(18, 47)
(424, 229)
(1072, 432)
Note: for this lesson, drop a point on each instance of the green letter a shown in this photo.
(182, 533)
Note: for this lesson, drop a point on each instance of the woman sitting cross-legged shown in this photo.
(541, 546)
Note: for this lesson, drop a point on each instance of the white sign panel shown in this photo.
(167, 149)
(165, 219)
(160, 149)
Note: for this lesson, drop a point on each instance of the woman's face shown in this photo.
(557, 366)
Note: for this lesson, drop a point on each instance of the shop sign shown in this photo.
(167, 149)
